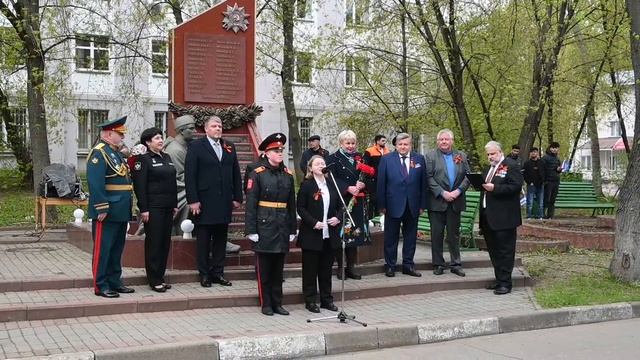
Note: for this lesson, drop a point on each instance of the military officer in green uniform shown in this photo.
(109, 208)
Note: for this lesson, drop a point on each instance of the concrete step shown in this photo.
(233, 273)
(79, 302)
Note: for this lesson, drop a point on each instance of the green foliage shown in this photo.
(17, 209)
(571, 176)
(11, 179)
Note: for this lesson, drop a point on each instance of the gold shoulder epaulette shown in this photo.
(259, 169)
(288, 171)
(99, 146)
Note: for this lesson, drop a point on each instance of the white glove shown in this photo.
(292, 237)
(253, 237)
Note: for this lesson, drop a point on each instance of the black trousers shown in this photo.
(316, 273)
(439, 221)
(550, 194)
(269, 268)
(501, 245)
(409, 224)
(157, 242)
(351, 254)
(211, 243)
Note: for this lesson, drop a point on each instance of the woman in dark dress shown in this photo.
(317, 205)
(154, 182)
(349, 172)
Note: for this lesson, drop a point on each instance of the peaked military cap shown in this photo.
(273, 141)
(115, 125)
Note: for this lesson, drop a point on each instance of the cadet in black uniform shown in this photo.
(154, 181)
(270, 221)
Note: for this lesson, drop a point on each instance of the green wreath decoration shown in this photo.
(232, 116)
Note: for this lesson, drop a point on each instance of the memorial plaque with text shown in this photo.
(214, 68)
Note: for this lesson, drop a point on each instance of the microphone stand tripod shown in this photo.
(342, 315)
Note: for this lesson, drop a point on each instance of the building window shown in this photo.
(613, 164)
(88, 121)
(304, 128)
(356, 70)
(160, 118)
(159, 57)
(585, 160)
(614, 127)
(19, 116)
(356, 12)
(303, 9)
(303, 68)
(92, 52)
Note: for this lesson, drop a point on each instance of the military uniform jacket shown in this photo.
(109, 184)
(268, 185)
(154, 181)
(212, 182)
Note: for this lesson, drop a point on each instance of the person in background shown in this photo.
(515, 154)
(109, 208)
(214, 188)
(552, 170)
(350, 174)
(314, 149)
(270, 221)
(500, 214)
(319, 235)
(372, 156)
(533, 173)
(402, 188)
(154, 182)
(447, 180)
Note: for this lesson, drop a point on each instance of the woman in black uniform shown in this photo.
(154, 182)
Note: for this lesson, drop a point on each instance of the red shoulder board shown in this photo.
(288, 171)
(259, 170)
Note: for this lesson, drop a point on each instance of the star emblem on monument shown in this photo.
(235, 19)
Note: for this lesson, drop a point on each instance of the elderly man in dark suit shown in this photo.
(214, 189)
(402, 198)
(500, 214)
(447, 181)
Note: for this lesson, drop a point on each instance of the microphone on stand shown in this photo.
(328, 168)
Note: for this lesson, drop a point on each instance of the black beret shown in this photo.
(313, 137)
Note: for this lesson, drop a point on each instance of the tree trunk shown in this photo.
(176, 8)
(288, 59)
(37, 117)
(592, 130)
(404, 73)
(625, 263)
(550, 132)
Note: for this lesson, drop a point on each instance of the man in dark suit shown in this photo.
(500, 214)
(402, 198)
(447, 180)
(214, 189)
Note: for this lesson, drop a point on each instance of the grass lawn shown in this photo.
(17, 209)
(578, 277)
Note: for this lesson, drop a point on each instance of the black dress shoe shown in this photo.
(389, 273)
(205, 281)
(501, 290)
(125, 290)
(159, 288)
(411, 272)
(492, 285)
(438, 270)
(458, 271)
(107, 294)
(339, 274)
(329, 306)
(267, 311)
(312, 307)
(166, 286)
(353, 275)
(280, 310)
(220, 280)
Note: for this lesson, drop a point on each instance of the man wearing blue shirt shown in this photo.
(447, 182)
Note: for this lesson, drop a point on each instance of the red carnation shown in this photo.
(366, 169)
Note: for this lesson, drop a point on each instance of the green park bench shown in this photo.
(581, 195)
(467, 219)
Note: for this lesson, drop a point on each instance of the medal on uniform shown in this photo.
(137, 166)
